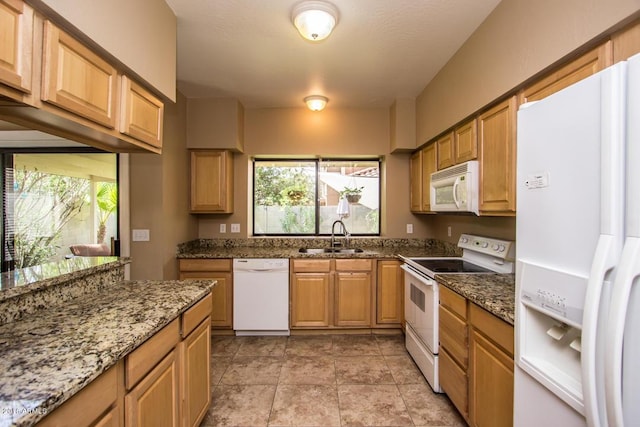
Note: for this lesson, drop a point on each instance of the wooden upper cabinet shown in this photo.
(429, 165)
(142, 114)
(77, 79)
(497, 144)
(415, 183)
(626, 43)
(586, 65)
(16, 44)
(465, 142)
(211, 181)
(445, 151)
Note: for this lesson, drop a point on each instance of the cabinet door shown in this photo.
(416, 181)
(353, 299)
(142, 114)
(445, 151)
(584, 66)
(154, 401)
(491, 384)
(211, 182)
(222, 296)
(196, 378)
(389, 301)
(429, 166)
(16, 34)
(76, 79)
(465, 142)
(498, 159)
(310, 299)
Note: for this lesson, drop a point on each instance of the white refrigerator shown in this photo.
(577, 331)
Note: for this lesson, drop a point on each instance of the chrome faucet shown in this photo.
(345, 233)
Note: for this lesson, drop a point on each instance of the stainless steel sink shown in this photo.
(330, 250)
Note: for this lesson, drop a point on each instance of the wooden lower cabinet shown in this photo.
(154, 401)
(196, 381)
(331, 293)
(389, 294)
(353, 299)
(221, 271)
(310, 299)
(476, 361)
(490, 370)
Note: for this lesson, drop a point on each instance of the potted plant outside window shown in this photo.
(352, 195)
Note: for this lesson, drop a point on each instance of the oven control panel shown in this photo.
(503, 249)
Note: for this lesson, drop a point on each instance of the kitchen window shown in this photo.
(305, 197)
(52, 201)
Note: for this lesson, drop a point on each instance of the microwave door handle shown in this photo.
(456, 184)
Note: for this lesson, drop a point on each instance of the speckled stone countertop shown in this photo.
(49, 355)
(493, 292)
(289, 248)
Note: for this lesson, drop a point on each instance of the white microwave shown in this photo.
(455, 189)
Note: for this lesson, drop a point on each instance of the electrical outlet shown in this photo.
(235, 228)
(140, 235)
(223, 228)
(449, 231)
(409, 228)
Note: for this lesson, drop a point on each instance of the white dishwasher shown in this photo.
(261, 296)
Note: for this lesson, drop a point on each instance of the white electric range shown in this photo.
(480, 255)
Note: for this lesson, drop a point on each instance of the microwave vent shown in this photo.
(456, 170)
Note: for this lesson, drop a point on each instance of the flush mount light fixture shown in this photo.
(316, 102)
(314, 19)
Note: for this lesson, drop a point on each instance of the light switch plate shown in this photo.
(235, 228)
(140, 235)
(409, 228)
(223, 228)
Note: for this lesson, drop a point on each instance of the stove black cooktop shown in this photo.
(450, 266)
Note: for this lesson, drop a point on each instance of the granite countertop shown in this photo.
(380, 248)
(48, 356)
(493, 292)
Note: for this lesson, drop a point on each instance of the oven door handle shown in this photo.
(424, 280)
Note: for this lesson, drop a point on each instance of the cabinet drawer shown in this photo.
(204, 264)
(497, 330)
(85, 407)
(453, 336)
(196, 314)
(454, 382)
(353, 265)
(453, 302)
(312, 265)
(145, 357)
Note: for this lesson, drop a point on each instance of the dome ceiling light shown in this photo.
(314, 19)
(316, 102)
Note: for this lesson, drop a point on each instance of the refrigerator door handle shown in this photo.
(603, 261)
(628, 271)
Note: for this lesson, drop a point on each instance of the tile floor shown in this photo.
(339, 380)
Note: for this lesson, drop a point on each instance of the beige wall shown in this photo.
(141, 34)
(286, 132)
(215, 123)
(497, 227)
(519, 39)
(160, 200)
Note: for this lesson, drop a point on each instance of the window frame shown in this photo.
(6, 161)
(317, 162)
